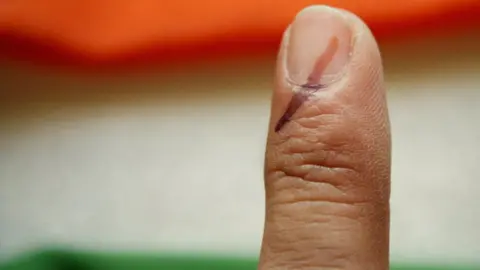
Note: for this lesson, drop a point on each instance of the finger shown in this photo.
(327, 165)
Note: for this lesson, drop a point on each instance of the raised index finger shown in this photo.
(327, 167)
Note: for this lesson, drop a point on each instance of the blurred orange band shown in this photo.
(125, 31)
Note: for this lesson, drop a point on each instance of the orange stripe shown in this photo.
(108, 29)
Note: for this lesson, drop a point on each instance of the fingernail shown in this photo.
(319, 46)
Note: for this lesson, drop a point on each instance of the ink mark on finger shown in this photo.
(306, 90)
(296, 102)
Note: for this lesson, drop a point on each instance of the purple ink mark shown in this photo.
(300, 97)
(311, 86)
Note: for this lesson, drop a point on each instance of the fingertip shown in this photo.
(308, 59)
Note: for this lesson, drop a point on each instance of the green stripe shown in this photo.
(75, 260)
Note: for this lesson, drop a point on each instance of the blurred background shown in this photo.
(141, 127)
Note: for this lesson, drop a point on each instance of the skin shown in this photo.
(312, 85)
(327, 171)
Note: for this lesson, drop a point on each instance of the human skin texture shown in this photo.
(327, 160)
(312, 85)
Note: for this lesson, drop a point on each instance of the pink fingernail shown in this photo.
(319, 46)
